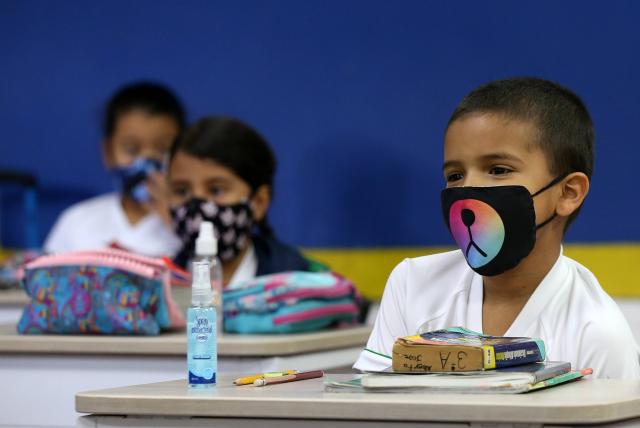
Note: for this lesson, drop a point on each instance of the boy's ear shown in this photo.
(107, 153)
(260, 202)
(574, 189)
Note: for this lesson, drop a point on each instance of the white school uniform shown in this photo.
(101, 221)
(248, 267)
(577, 320)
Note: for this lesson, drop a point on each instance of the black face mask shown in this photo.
(495, 227)
(232, 226)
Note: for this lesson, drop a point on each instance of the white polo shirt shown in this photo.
(101, 221)
(577, 320)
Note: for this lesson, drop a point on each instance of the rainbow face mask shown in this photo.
(495, 227)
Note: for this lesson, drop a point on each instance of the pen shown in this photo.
(248, 380)
(289, 378)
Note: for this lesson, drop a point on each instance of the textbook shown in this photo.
(457, 349)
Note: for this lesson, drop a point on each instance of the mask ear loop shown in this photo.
(546, 222)
(553, 182)
(264, 227)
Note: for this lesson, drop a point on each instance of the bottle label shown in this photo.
(208, 377)
(201, 354)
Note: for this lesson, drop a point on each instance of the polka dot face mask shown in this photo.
(232, 225)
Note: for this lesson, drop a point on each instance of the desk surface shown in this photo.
(587, 401)
(13, 298)
(176, 343)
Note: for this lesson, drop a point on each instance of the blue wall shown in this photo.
(353, 96)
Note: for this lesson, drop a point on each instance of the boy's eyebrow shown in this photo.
(216, 180)
(450, 164)
(173, 181)
(502, 156)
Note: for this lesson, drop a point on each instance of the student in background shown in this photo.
(222, 171)
(141, 123)
(518, 157)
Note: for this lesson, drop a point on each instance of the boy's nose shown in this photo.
(200, 192)
(473, 179)
(468, 181)
(152, 154)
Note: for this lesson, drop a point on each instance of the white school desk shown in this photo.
(49, 370)
(305, 404)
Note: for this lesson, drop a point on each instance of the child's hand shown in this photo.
(159, 192)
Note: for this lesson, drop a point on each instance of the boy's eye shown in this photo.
(454, 177)
(131, 149)
(499, 170)
(162, 149)
(216, 191)
(180, 191)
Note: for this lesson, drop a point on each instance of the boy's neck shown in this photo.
(133, 210)
(505, 295)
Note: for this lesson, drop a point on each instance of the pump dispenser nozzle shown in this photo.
(206, 242)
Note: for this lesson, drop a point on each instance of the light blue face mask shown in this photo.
(130, 180)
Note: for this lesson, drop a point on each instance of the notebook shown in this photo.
(511, 380)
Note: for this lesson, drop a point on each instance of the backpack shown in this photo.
(101, 292)
(290, 302)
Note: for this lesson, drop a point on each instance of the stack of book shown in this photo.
(461, 360)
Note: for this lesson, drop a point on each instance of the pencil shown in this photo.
(289, 378)
(248, 380)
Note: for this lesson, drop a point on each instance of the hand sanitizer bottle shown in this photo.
(207, 250)
(202, 354)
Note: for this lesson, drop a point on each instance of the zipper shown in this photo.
(305, 293)
(113, 259)
(158, 263)
(345, 308)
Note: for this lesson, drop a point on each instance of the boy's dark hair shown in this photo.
(235, 145)
(565, 129)
(153, 98)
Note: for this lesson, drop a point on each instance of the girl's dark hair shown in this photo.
(153, 98)
(235, 145)
(565, 130)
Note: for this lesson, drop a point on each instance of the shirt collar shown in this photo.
(247, 268)
(549, 287)
(530, 313)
